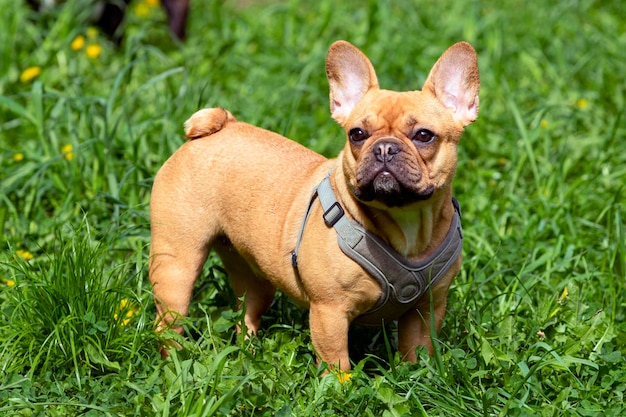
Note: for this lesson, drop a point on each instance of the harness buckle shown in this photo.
(333, 214)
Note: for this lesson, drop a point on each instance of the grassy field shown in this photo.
(535, 322)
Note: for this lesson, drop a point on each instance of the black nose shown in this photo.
(386, 150)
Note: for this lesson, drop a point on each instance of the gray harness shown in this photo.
(402, 282)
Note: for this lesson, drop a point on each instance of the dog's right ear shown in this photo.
(350, 75)
(454, 80)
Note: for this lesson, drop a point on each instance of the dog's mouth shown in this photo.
(385, 187)
(392, 175)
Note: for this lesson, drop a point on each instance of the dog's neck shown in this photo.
(415, 231)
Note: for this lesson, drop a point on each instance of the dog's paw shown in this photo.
(205, 122)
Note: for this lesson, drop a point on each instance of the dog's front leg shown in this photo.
(413, 331)
(414, 327)
(329, 334)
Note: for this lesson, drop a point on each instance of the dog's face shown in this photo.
(401, 146)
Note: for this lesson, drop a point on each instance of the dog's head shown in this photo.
(401, 146)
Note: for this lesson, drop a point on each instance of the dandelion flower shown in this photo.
(9, 282)
(29, 74)
(125, 310)
(544, 123)
(142, 10)
(581, 103)
(78, 43)
(24, 254)
(92, 33)
(124, 304)
(18, 157)
(343, 376)
(93, 50)
(66, 150)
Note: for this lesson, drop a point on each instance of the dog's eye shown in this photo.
(358, 135)
(424, 136)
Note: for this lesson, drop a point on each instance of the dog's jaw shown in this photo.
(386, 189)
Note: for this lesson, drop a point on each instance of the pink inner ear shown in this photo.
(334, 106)
(461, 103)
(450, 101)
(347, 95)
(473, 108)
(353, 89)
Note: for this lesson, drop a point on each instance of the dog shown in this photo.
(370, 236)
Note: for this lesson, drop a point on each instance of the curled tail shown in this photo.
(205, 122)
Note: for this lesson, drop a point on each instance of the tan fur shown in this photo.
(243, 192)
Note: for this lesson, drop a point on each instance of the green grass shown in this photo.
(535, 322)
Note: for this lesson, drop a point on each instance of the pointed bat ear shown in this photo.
(454, 80)
(350, 75)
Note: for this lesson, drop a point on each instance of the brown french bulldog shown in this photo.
(262, 203)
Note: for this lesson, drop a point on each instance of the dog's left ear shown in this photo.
(454, 80)
(350, 75)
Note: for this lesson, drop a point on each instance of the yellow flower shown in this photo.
(24, 254)
(92, 32)
(29, 73)
(93, 51)
(66, 150)
(581, 103)
(126, 310)
(18, 157)
(544, 123)
(78, 43)
(343, 376)
(142, 10)
(9, 282)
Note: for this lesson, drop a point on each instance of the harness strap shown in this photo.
(402, 282)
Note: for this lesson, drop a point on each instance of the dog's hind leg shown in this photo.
(182, 227)
(257, 293)
(181, 238)
(173, 270)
